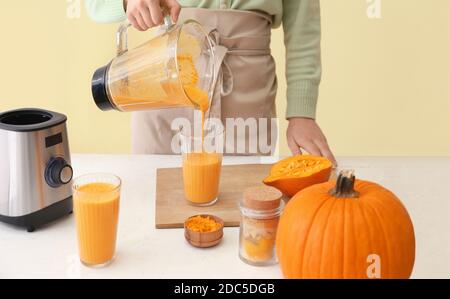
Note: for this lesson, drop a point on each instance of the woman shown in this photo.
(245, 26)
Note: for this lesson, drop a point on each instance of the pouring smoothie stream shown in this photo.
(173, 70)
(201, 169)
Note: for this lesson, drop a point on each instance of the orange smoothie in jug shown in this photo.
(96, 207)
(159, 80)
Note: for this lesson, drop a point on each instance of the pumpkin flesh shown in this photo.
(296, 173)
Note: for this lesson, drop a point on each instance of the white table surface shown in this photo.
(423, 184)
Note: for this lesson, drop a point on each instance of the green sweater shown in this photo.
(301, 23)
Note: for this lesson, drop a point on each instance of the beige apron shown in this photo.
(246, 86)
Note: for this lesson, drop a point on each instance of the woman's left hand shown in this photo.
(305, 133)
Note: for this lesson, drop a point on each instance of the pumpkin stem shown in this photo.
(345, 185)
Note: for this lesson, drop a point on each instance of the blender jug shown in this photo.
(174, 69)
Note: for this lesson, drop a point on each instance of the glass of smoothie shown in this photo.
(96, 207)
(202, 163)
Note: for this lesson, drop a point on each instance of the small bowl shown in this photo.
(204, 240)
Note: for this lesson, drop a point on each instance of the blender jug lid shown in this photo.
(99, 92)
(30, 119)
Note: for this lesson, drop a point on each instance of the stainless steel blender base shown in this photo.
(41, 217)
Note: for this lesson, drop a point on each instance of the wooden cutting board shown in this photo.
(172, 209)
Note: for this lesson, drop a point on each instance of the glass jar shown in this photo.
(260, 208)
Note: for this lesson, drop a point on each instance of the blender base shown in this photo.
(41, 217)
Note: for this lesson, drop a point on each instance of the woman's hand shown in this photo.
(145, 14)
(304, 133)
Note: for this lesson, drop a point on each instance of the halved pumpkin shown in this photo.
(296, 173)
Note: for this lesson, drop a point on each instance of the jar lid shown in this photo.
(262, 198)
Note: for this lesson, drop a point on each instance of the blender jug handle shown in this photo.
(122, 32)
(167, 20)
(122, 38)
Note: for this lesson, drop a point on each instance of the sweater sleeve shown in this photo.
(301, 23)
(106, 11)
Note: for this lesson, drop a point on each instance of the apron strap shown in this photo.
(223, 84)
(224, 79)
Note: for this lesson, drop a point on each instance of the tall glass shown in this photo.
(202, 164)
(96, 200)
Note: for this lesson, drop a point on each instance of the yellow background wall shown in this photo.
(385, 90)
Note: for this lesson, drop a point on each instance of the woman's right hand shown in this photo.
(145, 14)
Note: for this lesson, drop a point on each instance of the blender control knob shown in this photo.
(58, 173)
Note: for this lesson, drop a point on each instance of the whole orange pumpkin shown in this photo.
(345, 229)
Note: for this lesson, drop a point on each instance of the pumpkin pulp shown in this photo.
(296, 173)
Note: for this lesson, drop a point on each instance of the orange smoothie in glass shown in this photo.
(201, 170)
(201, 175)
(96, 207)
